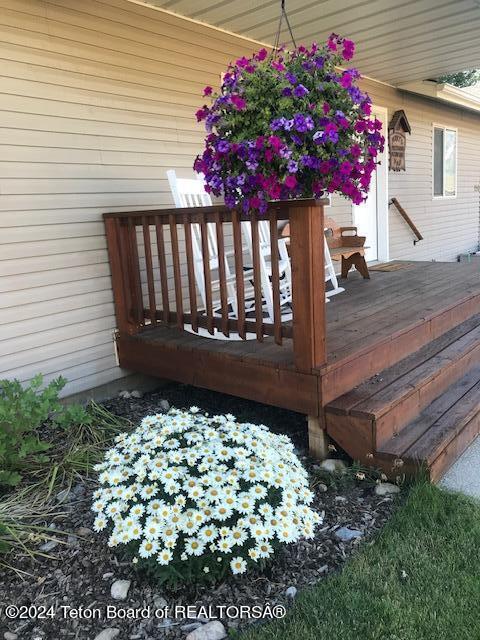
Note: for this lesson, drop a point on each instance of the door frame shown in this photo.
(383, 233)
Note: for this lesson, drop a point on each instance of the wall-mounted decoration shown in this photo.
(397, 140)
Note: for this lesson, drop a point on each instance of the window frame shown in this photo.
(444, 127)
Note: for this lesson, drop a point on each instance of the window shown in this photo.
(444, 162)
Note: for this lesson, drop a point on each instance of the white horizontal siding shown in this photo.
(98, 101)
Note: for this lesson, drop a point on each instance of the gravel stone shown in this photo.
(164, 405)
(9, 635)
(346, 535)
(49, 546)
(291, 592)
(333, 465)
(108, 634)
(119, 589)
(62, 495)
(211, 631)
(159, 602)
(386, 488)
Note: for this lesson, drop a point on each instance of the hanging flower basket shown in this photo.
(289, 126)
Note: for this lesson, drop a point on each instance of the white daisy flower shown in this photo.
(238, 565)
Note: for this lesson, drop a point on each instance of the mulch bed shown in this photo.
(81, 569)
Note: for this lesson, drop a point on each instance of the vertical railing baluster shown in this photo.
(134, 268)
(239, 276)
(222, 275)
(277, 313)
(176, 270)
(162, 263)
(149, 267)
(207, 276)
(257, 278)
(192, 291)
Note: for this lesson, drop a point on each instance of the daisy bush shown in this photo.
(194, 497)
(289, 126)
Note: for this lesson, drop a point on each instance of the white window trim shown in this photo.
(436, 125)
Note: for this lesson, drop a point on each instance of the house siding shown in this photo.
(450, 226)
(97, 103)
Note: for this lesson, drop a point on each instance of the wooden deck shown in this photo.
(389, 369)
(374, 324)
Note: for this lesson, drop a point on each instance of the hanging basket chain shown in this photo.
(283, 14)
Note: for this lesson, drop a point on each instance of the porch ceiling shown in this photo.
(397, 41)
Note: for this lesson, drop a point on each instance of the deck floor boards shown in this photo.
(366, 311)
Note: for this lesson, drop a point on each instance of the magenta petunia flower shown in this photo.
(202, 113)
(261, 55)
(346, 80)
(207, 91)
(291, 182)
(238, 102)
(348, 49)
(275, 142)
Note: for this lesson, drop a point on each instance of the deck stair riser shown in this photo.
(442, 431)
(340, 376)
(405, 410)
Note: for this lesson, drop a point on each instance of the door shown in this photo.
(371, 217)
(365, 218)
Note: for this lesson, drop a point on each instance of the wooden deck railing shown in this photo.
(153, 265)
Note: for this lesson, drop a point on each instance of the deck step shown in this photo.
(364, 419)
(438, 436)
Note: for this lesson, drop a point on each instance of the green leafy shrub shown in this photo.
(22, 411)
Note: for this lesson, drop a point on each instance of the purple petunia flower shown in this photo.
(287, 92)
(277, 124)
(292, 166)
(291, 77)
(223, 146)
(300, 91)
(300, 123)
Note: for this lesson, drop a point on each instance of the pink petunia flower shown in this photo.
(291, 182)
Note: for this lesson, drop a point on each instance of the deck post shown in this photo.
(119, 264)
(317, 438)
(308, 284)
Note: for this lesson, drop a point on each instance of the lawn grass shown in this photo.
(435, 539)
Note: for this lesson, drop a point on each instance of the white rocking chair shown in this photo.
(190, 192)
(330, 275)
(284, 268)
